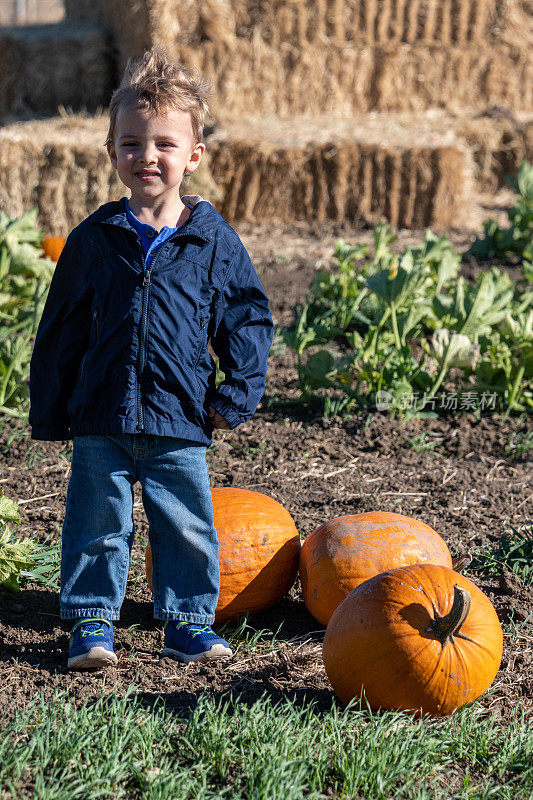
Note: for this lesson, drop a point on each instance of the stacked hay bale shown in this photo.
(325, 109)
(43, 67)
(62, 168)
(354, 169)
(413, 170)
(415, 173)
(337, 56)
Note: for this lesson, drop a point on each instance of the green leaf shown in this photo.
(519, 327)
(401, 285)
(474, 309)
(319, 369)
(9, 510)
(14, 557)
(452, 349)
(383, 237)
(525, 181)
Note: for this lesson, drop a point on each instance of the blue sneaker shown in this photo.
(91, 644)
(187, 642)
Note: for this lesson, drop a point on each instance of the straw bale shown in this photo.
(498, 141)
(304, 22)
(414, 170)
(254, 78)
(266, 175)
(61, 166)
(136, 25)
(381, 22)
(339, 56)
(127, 21)
(46, 66)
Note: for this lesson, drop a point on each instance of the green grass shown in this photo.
(519, 444)
(228, 748)
(13, 436)
(34, 454)
(244, 638)
(513, 551)
(424, 442)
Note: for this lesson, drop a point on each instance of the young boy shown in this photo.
(121, 365)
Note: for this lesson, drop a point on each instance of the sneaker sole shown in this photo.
(217, 651)
(95, 658)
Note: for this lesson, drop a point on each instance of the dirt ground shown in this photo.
(469, 488)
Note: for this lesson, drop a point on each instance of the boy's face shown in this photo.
(152, 152)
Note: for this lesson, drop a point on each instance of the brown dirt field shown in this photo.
(470, 489)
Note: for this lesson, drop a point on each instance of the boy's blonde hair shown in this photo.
(156, 83)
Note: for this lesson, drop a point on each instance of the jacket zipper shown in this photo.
(143, 334)
(141, 359)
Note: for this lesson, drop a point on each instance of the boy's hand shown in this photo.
(217, 420)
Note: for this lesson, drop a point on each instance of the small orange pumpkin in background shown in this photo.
(341, 554)
(414, 638)
(53, 246)
(259, 548)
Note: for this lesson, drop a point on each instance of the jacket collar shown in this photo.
(201, 223)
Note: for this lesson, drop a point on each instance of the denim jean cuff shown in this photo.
(180, 616)
(81, 613)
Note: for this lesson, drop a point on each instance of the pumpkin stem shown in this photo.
(447, 627)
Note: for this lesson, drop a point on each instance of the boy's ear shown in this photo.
(112, 153)
(195, 157)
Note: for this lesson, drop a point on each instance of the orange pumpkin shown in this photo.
(415, 638)
(53, 246)
(259, 548)
(341, 554)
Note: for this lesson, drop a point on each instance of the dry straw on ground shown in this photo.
(46, 66)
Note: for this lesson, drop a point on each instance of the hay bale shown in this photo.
(46, 66)
(135, 24)
(302, 23)
(61, 166)
(414, 170)
(343, 56)
(498, 140)
(382, 22)
(254, 78)
(342, 181)
(454, 78)
(331, 173)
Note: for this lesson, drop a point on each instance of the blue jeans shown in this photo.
(98, 528)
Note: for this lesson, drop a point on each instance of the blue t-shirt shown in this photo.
(151, 239)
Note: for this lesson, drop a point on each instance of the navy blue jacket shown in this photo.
(120, 349)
